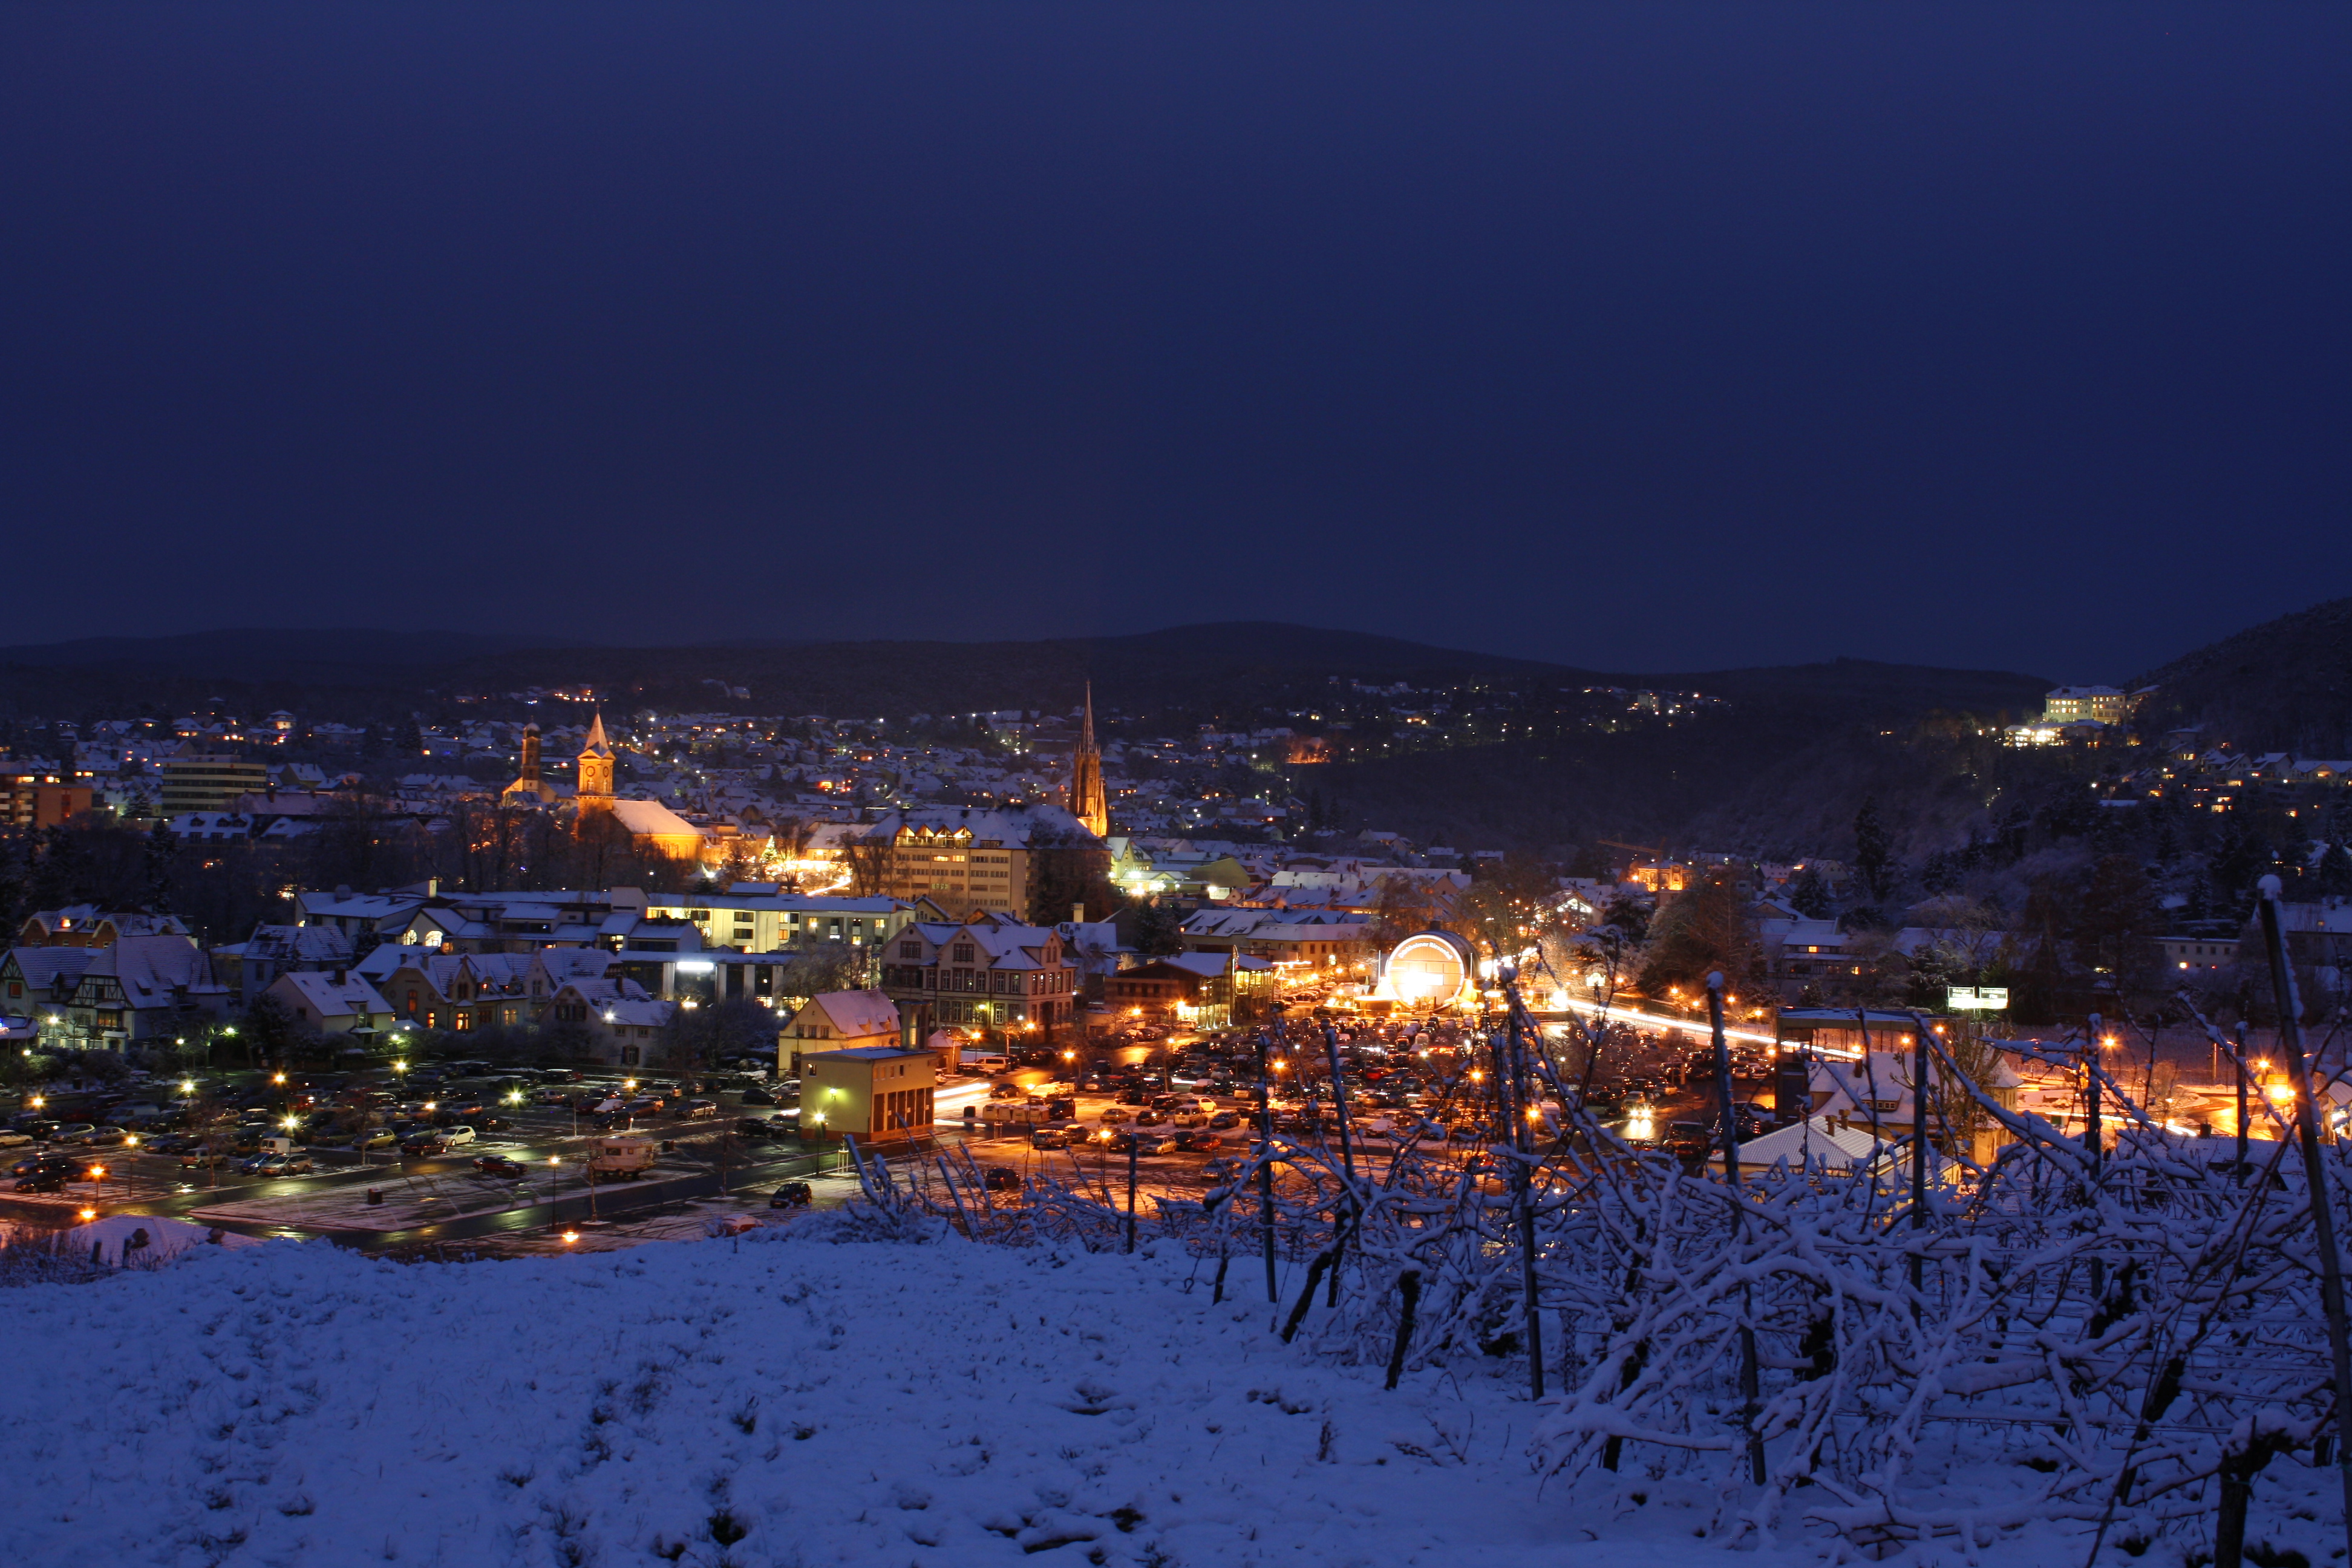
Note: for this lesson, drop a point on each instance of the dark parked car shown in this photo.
(499, 1165)
(1000, 1179)
(1198, 1140)
(755, 1095)
(1224, 1119)
(424, 1143)
(43, 1181)
(790, 1195)
(491, 1124)
(753, 1127)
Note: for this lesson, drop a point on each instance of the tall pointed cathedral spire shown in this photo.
(1089, 801)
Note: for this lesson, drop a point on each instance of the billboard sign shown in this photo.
(1978, 999)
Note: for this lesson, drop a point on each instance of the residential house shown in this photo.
(87, 925)
(838, 1020)
(39, 981)
(1302, 941)
(988, 972)
(248, 968)
(138, 990)
(1208, 989)
(624, 1026)
(457, 992)
(333, 1001)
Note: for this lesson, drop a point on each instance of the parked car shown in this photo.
(1000, 1179)
(1143, 1142)
(1147, 1117)
(283, 1165)
(790, 1195)
(72, 1133)
(43, 1181)
(1198, 1140)
(104, 1137)
(456, 1136)
(499, 1165)
(698, 1110)
(423, 1144)
(755, 1095)
(376, 1138)
(1223, 1121)
(1048, 1138)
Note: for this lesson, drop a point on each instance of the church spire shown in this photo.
(1090, 803)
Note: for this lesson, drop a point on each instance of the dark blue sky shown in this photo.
(1656, 337)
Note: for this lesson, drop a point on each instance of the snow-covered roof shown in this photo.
(856, 1014)
(1819, 1140)
(151, 968)
(326, 997)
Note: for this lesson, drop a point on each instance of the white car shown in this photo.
(453, 1136)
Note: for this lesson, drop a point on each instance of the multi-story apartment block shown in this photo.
(35, 798)
(770, 921)
(207, 781)
(966, 860)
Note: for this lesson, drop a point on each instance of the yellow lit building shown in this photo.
(868, 1092)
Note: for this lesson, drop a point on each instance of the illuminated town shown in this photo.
(1176, 786)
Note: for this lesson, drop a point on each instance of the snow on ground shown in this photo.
(142, 1238)
(769, 1401)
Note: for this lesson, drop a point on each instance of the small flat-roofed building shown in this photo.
(877, 1092)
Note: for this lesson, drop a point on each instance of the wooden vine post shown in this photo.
(2315, 1171)
(1748, 1384)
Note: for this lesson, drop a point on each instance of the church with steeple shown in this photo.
(653, 827)
(1089, 801)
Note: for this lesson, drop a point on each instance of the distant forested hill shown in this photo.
(2285, 684)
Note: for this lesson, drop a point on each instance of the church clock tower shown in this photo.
(595, 786)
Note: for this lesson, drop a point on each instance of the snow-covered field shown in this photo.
(776, 1400)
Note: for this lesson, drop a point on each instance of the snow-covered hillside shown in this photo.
(766, 1402)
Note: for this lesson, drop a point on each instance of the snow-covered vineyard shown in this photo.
(800, 1396)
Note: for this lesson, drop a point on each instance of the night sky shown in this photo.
(1644, 338)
